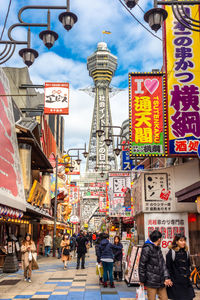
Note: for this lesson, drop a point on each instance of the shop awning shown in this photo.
(37, 212)
(189, 194)
(51, 222)
(28, 133)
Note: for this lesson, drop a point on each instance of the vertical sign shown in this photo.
(182, 65)
(56, 98)
(120, 203)
(147, 136)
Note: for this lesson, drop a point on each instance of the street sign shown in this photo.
(127, 163)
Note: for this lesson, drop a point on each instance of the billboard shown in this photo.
(11, 181)
(182, 65)
(146, 119)
(120, 202)
(56, 98)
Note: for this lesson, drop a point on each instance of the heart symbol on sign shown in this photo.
(151, 85)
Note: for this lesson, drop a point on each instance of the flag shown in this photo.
(106, 32)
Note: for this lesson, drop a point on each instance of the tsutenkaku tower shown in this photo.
(102, 66)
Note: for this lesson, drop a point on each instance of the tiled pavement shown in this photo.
(53, 283)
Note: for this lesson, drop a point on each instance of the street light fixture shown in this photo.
(108, 141)
(102, 174)
(131, 3)
(48, 36)
(156, 16)
(99, 132)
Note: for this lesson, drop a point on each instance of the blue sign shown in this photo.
(198, 151)
(127, 163)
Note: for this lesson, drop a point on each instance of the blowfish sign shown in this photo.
(56, 98)
(146, 114)
(183, 65)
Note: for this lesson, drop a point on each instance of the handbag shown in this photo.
(65, 251)
(34, 264)
(140, 295)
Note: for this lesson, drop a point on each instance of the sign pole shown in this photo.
(55, 208)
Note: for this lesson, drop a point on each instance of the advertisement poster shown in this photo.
(120, 202)
(56, 98)
(169, 224)
(132, 275)
(183, 84)
(74, 194)
(146, 119)
(11, 181)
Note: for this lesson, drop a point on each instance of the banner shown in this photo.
(120, 202)
(182, 65)
(146, 114)
(56, 98)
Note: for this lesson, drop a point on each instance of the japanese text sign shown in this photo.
(182, 66)
(56, 98)
(120, 202)
(146, 114)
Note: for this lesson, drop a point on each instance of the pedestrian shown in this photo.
(178, 264)
(117, 259)
(153, 272)
(81, 250)
(94, 237)
(65, 245)
(73, 245)
(27, 249)
(90, 239)
(97, 252)
(58, 240)
(47, 244)
(107, 258)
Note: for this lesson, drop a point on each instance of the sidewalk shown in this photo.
(53, 283)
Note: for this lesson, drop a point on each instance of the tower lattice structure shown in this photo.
(102, 65)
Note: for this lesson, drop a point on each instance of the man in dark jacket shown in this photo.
(153, 272)
(81, 250)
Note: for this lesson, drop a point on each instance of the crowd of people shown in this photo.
(168, 278)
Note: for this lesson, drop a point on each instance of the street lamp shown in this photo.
(108, 141)
(48, 36)
(131, 3)
(156, 16)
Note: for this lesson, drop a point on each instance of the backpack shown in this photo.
(174, 254)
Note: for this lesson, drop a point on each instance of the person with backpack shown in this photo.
(153, 273)
(178, 264)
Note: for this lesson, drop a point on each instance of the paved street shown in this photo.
(54, 283)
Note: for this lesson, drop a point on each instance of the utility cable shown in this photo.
(4, 26)
(139, 21)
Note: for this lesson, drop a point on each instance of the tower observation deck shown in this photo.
(102, 66)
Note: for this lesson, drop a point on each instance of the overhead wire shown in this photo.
(5, 22)
(139, 21)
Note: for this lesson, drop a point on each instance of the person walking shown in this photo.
(47, 244)
(178, 264)
(117, 251)
(94, 237)
(65, 245)
(73, 245)
(153, 272)
(81, 250)
(107, 258)
(58, 240)
(97, 252)
(27, 250)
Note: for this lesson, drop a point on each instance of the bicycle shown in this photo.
(195, 275)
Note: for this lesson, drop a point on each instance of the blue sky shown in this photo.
(136, 49)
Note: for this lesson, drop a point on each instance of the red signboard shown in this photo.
(146, 114)
(56, 98)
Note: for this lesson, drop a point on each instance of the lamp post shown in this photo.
(67, 18)
(157, 15)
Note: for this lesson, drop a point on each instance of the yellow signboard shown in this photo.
(183, 84)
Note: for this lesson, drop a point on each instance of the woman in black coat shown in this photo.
(117, 251)
(178, 264)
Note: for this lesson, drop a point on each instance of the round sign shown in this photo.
(132, 229)
(74, 219)
(86, 225)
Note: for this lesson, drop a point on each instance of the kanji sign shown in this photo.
(56, 98)
(120, 202)
(146, 114)
(182, 66)
(169, 224)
